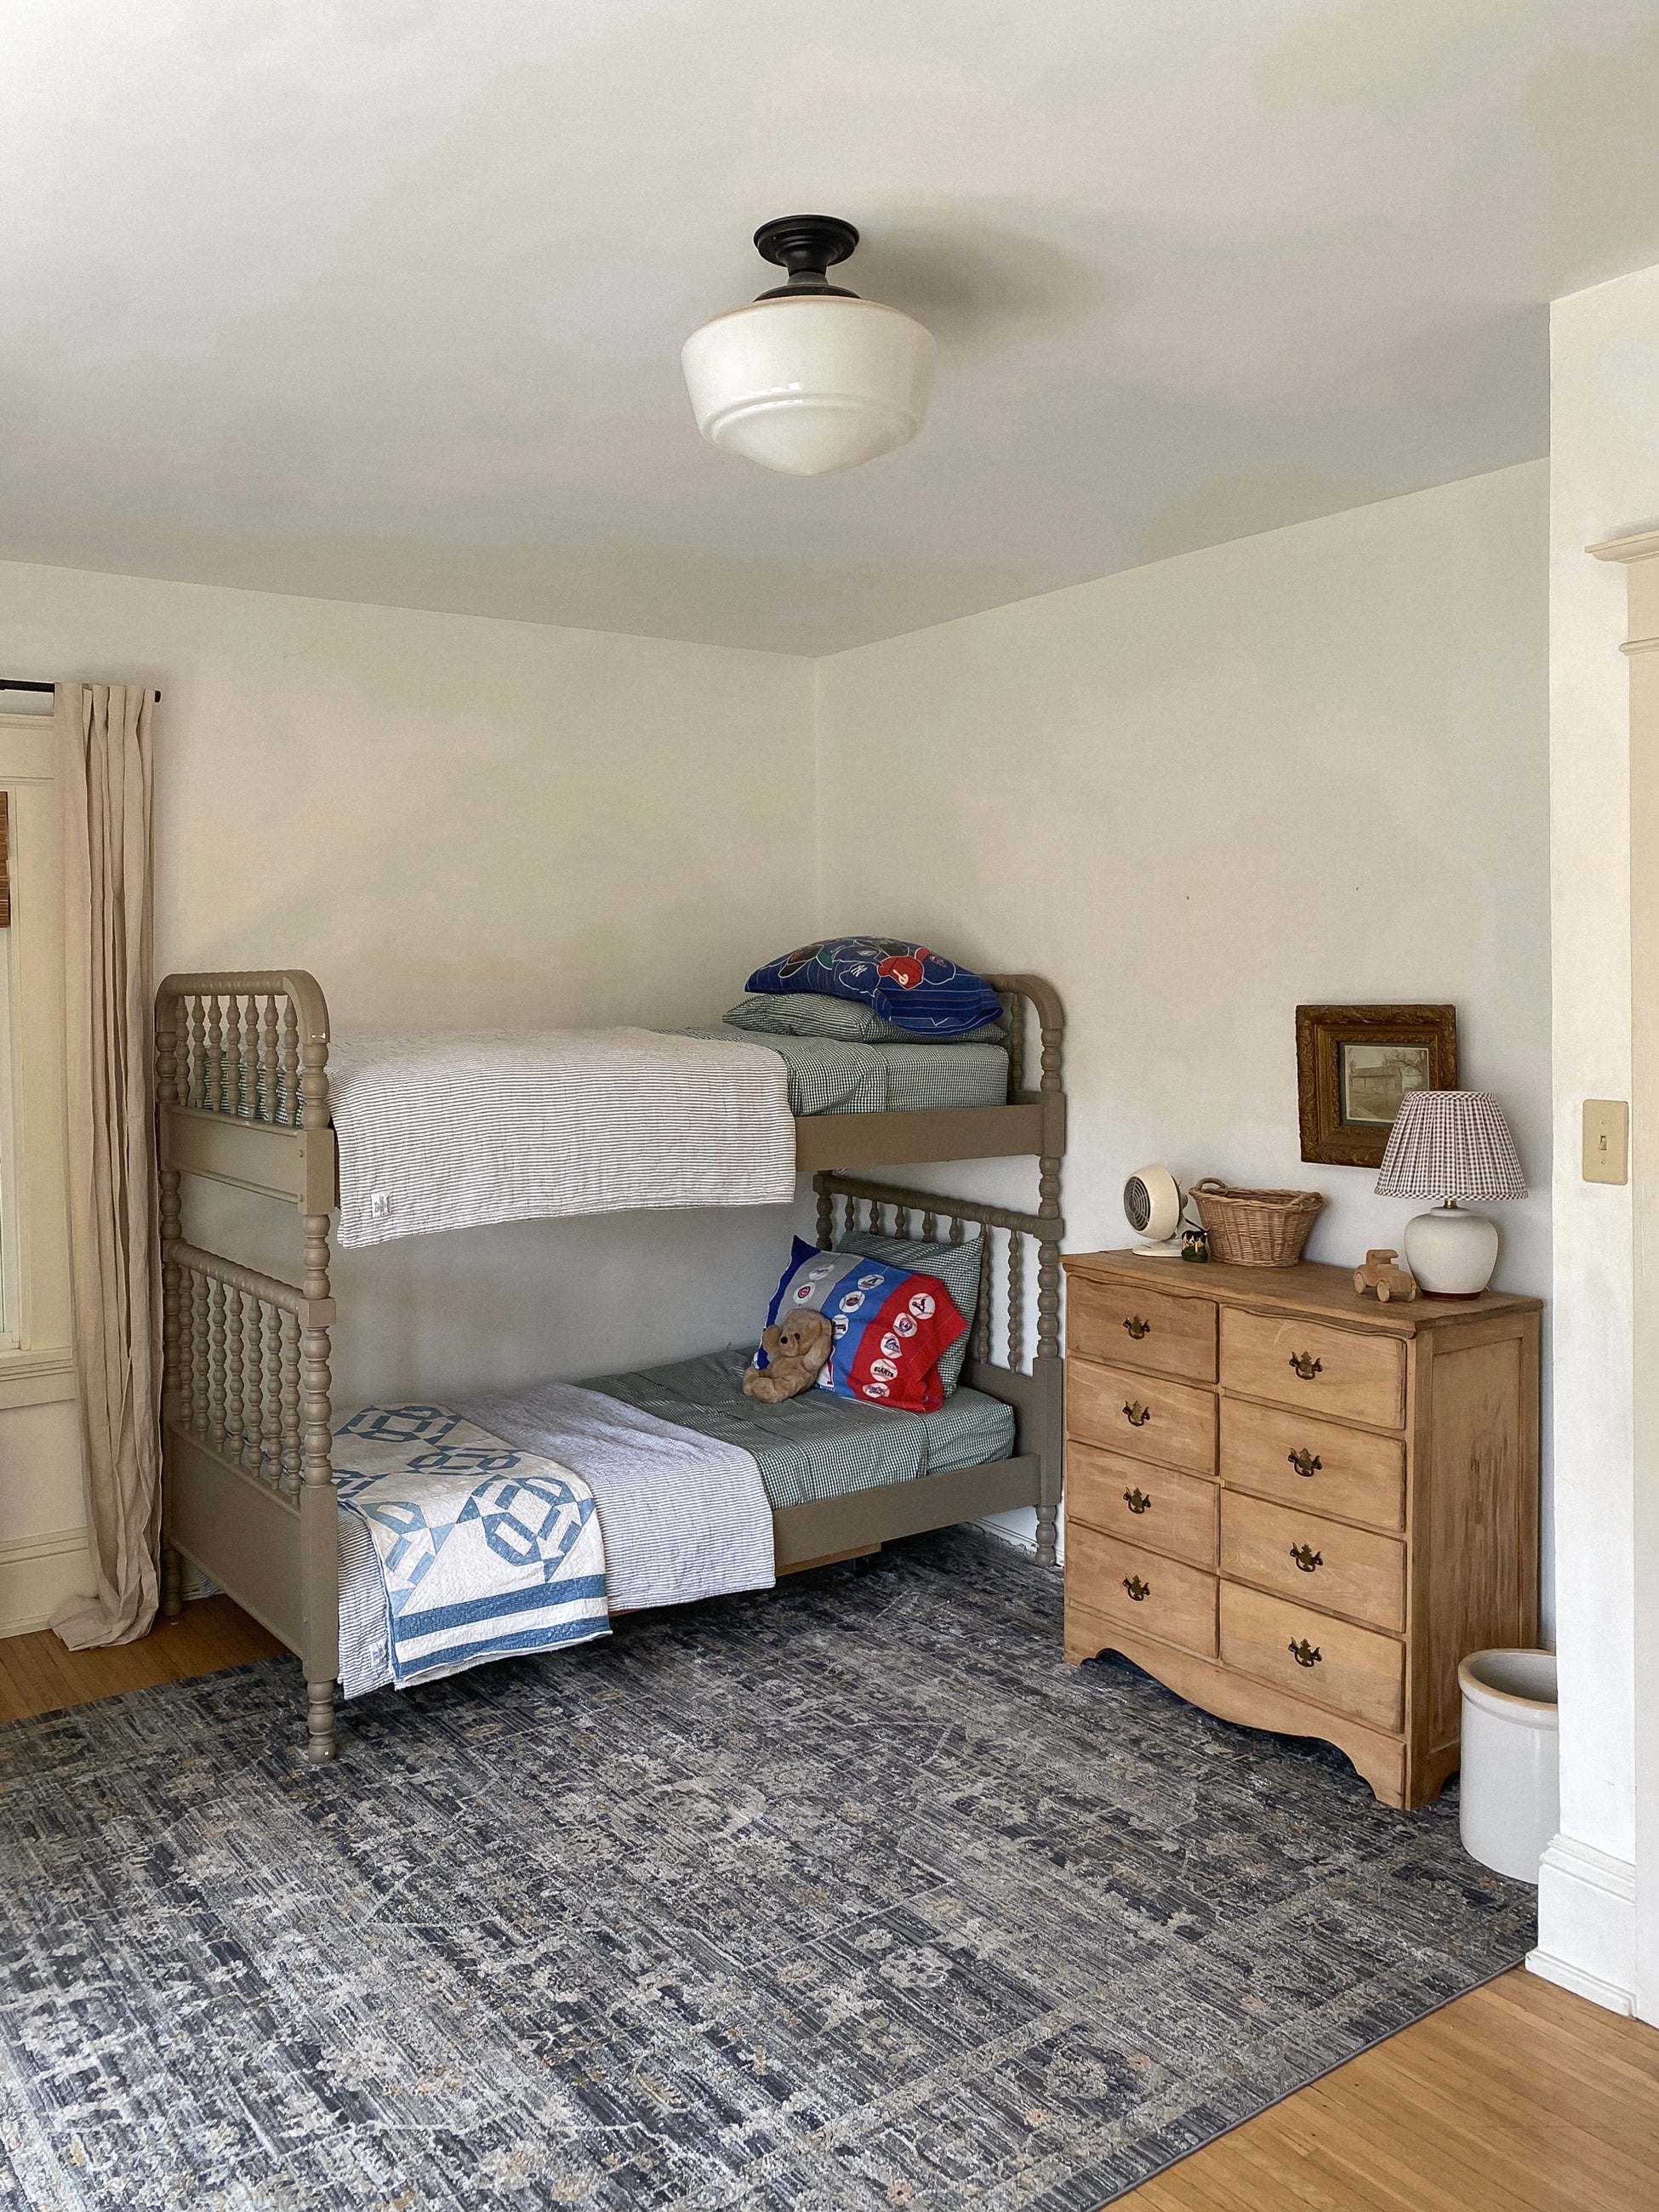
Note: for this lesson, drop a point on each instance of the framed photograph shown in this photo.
(1355, 1064)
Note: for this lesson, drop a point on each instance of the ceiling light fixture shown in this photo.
(809, 377)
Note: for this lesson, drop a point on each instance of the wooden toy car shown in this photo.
(1380, 1274)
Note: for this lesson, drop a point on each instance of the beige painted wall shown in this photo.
(1310, 765)
(1307, 766)
(462, 822)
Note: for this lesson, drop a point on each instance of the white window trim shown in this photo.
(36, 1363)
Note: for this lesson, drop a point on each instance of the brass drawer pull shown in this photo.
(1306, 1654)
(1137, 1328)
(1136, 1414)
(1306, 1365)
(1306, 1462)
(1306, 1557)
(1137, 1589)
(1137, 1500)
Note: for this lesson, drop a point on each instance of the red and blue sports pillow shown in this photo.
(918, 991)
(890, 1326)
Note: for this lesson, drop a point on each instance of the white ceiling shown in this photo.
(383, 299)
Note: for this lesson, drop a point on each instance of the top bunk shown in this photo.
(244, 1098)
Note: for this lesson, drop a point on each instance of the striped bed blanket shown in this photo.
(517, 1522)
(482, 1550)
(457, 1130)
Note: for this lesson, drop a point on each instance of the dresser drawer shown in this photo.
(1139, 1589)
(1352, 1670)
(1173, 1423)
(1133, 1499)
(1306, 1462)
(1314, 1368)
(1305, 1558)
(1138, 1327)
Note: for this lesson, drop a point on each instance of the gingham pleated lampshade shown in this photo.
(1452, 1144)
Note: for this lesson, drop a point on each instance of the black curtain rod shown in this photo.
(17, 683)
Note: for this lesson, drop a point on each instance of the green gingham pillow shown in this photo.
(956, 1265)
(843, 1021)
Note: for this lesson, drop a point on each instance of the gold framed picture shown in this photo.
(1355, 1064)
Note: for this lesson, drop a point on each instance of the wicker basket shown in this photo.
(1255, 1228)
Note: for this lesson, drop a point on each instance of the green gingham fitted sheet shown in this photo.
(827, 1076)
(816, 1445)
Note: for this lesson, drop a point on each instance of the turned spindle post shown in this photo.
(270, 1461)
(215, 1431)
(317, 1466)
(196, 1064)
(982, 1310)
(196, 1290)
(288, 1456)
(234, 1442)
(288, 1096)
(265, 1102)
(1048, 1365)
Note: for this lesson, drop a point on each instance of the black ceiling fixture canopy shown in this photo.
(807, 246)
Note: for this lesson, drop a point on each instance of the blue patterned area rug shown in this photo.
(848, 1897)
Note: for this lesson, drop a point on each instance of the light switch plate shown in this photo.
(1606, 1140)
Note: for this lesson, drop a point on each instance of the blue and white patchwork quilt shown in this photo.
(485, 1551)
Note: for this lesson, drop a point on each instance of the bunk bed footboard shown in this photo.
(247, 1483)
(1033, 1475)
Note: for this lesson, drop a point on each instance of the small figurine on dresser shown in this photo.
(1380, 1274)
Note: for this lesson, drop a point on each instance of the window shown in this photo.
(34, 1300)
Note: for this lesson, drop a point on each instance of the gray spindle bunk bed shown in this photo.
(242, 1099)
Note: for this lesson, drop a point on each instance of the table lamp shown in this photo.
(1454, 1145)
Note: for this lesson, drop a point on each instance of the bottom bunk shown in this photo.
(693, 1487)
(699, 1491)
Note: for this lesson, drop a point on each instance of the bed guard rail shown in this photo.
(1016, 993)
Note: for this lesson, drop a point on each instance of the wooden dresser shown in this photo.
(1298, 1508)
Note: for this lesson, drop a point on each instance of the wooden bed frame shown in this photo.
(248, 1493)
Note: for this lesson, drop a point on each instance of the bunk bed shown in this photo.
(249, 1499)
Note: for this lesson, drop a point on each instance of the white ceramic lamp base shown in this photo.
(1452, 1254)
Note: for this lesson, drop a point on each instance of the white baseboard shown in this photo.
(1586, 1923)
(38, 1574)
(1566, 1976)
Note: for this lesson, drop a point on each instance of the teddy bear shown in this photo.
(795, 1349)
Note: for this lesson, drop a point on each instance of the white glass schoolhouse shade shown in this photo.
(809, 378)
(810, 384)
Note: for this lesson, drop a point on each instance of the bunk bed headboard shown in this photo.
(1036, 1392)
(242, 1096)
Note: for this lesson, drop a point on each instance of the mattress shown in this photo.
(818, 1445)
(827, 1076)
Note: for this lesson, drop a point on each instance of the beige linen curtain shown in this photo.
(103, 758)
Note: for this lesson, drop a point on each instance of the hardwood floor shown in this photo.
(38, 1674)
(1517, 2098)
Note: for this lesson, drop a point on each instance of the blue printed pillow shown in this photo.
(917, 991)
(890, 1326)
